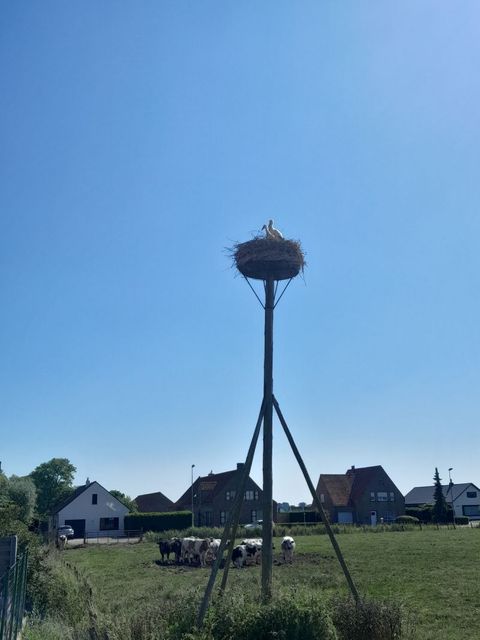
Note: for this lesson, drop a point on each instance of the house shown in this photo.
(364, 495)
(465, 498)
(213, 497)
(154, 503)
(90, 509)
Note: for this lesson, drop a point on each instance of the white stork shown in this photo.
(272, 232)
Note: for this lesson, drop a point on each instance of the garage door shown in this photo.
(78, 526)
(345, 517)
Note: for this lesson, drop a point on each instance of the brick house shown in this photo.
(365, 495)
(213, 497)
(154, 503)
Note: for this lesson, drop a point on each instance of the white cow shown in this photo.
(288, 547)
(62, 542)
(213, 547)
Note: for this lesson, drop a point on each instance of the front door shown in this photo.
(373, 518)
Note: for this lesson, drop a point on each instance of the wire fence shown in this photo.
(13, 585)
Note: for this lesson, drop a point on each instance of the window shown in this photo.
(392, 496)
(253, 515)
(94, 498)
(372, 496)
(230, 495)
(108, 524)
(248, 495)
(471, 494)
(382, 496)
(223, 517)
(471, 510)
(322, 499)
(208, 518)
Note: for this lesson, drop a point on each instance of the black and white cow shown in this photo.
(193, 548)
(248, 553)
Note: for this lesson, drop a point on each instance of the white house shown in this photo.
(465, 498)
(91, 509)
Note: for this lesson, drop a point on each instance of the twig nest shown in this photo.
(264, 259)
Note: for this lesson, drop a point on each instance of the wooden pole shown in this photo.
(231, 524)
(317, 503)
(267, 554)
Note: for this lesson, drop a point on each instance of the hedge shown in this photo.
(158, 521)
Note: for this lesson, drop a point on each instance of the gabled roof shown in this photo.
(345, 489)
(77, 492)
(424, 495)
(214, 482)
(154, 502)
(338, 486)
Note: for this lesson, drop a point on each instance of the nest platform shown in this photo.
(265, 259)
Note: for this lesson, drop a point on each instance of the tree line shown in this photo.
(25, 500)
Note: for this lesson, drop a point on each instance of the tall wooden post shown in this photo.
(267, 555)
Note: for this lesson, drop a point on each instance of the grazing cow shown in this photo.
(243, 553)
(165, 549)
(213, 547)
(176, 548)
(62, 542)
(288, 547)
(239, 555)
(193, 548)
(170, 546)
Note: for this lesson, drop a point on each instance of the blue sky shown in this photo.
(138, 140)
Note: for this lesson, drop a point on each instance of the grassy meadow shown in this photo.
(435, 573)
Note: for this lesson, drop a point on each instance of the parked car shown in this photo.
(254, 525)
(65, 530)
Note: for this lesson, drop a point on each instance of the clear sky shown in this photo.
(139, 139)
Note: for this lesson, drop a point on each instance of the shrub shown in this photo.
(371, 620)
(56, 592)
(289, 616)
(407, 520)
(158, 521)
(462, 519)
(423, 513)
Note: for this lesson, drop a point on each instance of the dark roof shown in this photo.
(424, 495)
(338, 486)
(214, 482)
(154, 502)
(61, 505)
(345, 489)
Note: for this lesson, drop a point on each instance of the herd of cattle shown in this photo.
(194, 551)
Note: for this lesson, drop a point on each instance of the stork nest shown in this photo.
(264, 259)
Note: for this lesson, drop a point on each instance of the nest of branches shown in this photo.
(263, 258)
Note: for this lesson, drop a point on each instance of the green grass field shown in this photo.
(435, 573)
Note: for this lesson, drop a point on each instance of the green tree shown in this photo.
(22, 492)
(54, 483)
(440, 509)
(127, 501)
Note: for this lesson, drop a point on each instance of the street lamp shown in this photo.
(193, 520)
(450, 486)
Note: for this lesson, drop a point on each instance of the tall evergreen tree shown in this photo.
(440, 504)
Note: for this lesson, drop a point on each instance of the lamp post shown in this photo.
(193, 519)
(450, 486)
